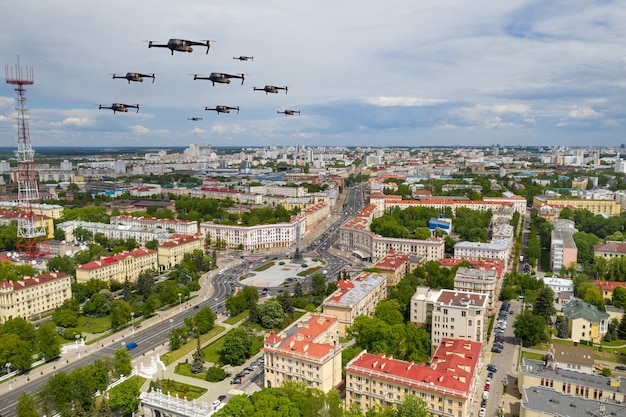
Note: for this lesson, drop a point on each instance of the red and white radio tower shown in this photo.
(31, 229)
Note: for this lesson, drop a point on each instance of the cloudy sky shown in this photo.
(362, 72)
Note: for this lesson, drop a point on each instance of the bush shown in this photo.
(215, 374)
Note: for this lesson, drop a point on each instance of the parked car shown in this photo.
(485, 395)
(482, 412)
(496, 349)
(221, 397)
(492, 368)
(620, 368)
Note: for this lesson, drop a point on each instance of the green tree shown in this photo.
(178, 337)
(48, 341)
(63, 264)
(125, 396)
(412, 406)
(26, 406)
(197, 365)
(105, 409)
(389, 312)
(204, 320)
(619, 297)
(120, 313)
(318, 285)
(621, 330)
(544, 304)
(530, 327)
(215, 374)
(271, 314)
(21, 328)
(236, 347)
(121, 362)
(17, 352)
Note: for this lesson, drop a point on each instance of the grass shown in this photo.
(236, 319)
(184, 369)
(190, 392)
(175, 355)
(533, 355)
(309, 271)
(264, 267)
(211, 352)
(93, 324)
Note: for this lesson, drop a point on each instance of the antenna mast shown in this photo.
(31, 228)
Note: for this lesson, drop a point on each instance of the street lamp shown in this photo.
(76, 336)
(179, 302)
(8, 365)
(132, 318)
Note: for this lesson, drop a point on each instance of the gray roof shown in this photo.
(554, 403)
(579, 309)
(537, 368)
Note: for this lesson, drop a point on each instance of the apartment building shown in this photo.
(546, 374)
(459, 315)
(563, 250)
(609, 250)
(172, 252)
(481, 250)
(32, 296)
(484, 281)
(115, 231)
(307, 351)
(263, 236)
(585, 321)
(543, 402)
(604, 207)
(394, 266)
(183, 227)
(448, 385)
(120, 267)
(607, 287)
(354, 298)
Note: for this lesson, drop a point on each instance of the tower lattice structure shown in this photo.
(31, 228)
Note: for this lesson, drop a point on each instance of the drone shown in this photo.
(289, 112)
(271, 89)
(194, 119)
(120, 107)
(244, 58)
(223, 109)
(135, 76)
(180, 45)
(220, 77)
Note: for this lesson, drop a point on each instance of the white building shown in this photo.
(183, 227)
(459, 315)
(482, 281)
(264, 236)
(115, 231)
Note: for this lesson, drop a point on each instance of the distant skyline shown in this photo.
(362, 72)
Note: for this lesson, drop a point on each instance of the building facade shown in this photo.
(120, 267)
(32, 296)
(307, 351)
(172, 252)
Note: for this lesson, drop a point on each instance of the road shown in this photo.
(152, 334)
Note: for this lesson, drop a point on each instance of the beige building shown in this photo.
(172, 252)
(121, 267)
(484, 281)
(307, 351)
(608, 207)
(32, 296)
(459, 315)
(354, 298)
(184, 227)
(449, 385)
(394, 266)
(263, 236)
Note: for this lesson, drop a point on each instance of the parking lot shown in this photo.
(283, 271)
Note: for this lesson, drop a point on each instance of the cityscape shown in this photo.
(312, 209)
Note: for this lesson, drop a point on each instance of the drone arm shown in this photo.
(237, 109)
(153, 78)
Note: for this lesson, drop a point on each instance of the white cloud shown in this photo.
(583, 113)
(198, 131)
(77, 121)
(402, 101)
(141, 130)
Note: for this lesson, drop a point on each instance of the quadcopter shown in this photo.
(223, 109)
(120, 107)
(244, 58)
(194, 119)
(135, 76)
(289, 112)
(271, 89)
(220, 77)
(180, 45)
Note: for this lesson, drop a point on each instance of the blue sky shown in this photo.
(362, 72)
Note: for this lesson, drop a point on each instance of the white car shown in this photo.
(482, 412)
(485, 395)
(215, 403)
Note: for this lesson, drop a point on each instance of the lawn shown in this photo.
(175, 388)
(533, 355)
(264, 267)
(93, 325)
(211, 352)
(184, 369)
(309, 271)
(236, 319)
(174, 355)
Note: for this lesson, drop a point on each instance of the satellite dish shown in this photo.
(33, 262)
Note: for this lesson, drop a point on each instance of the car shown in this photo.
(620, 368)
(485, 395)
(496, 349)
(236, 381)
(492, 368)
(215, 403)
(490, 375)
(487, 386)
(221, 397)
(482, 412)
(499, 338)
(483, 403)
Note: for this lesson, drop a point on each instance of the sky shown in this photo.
(362, 72)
